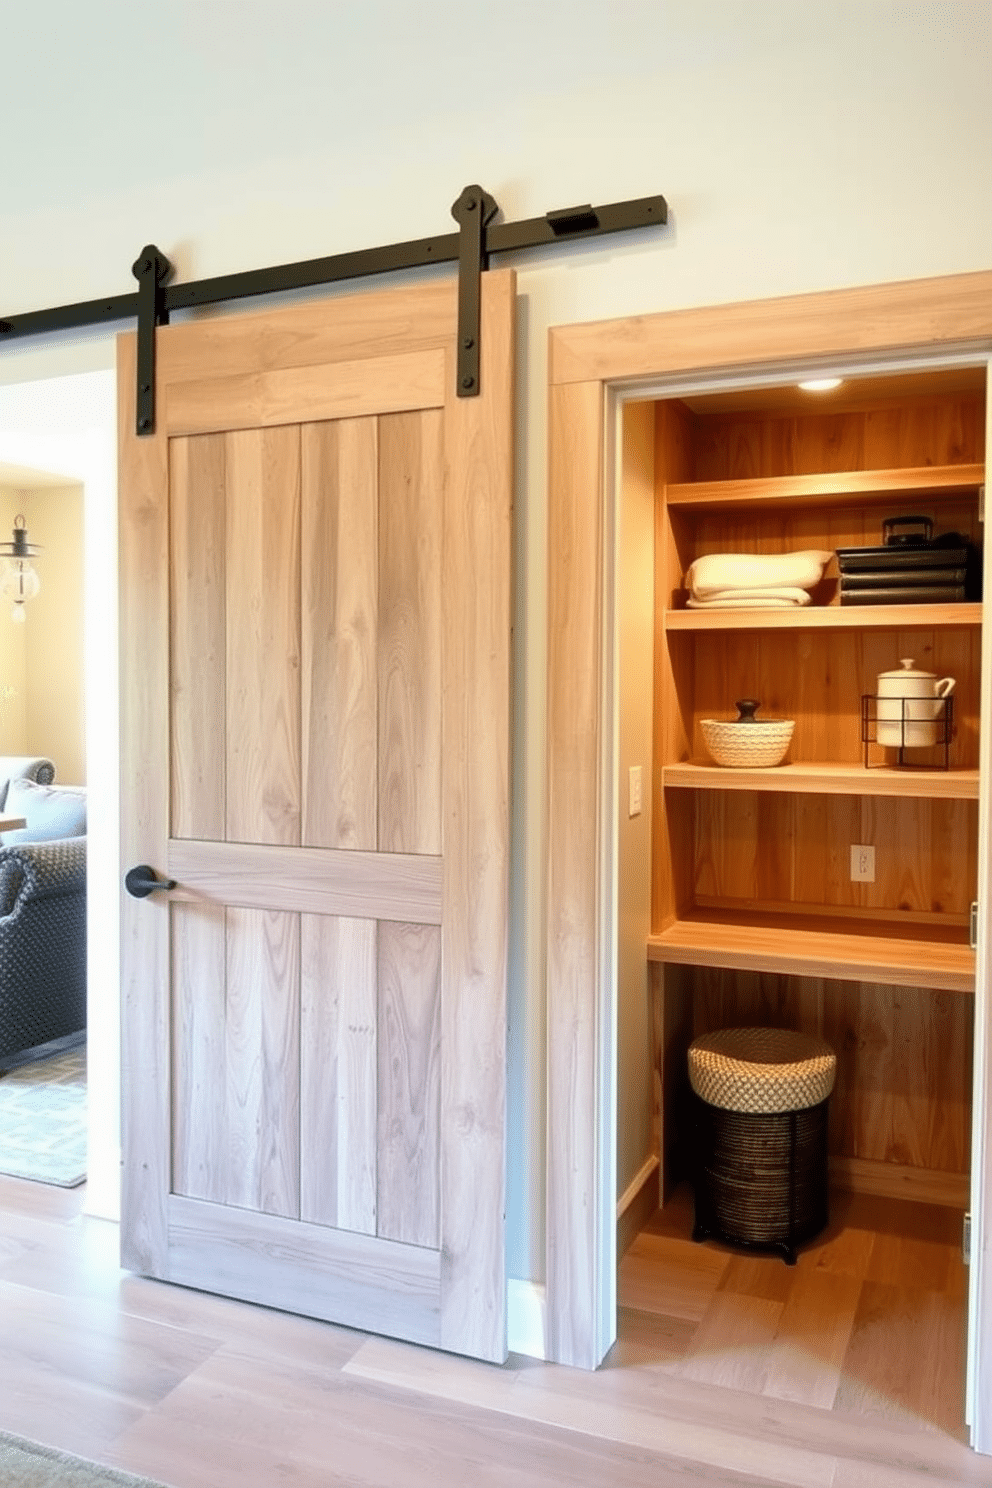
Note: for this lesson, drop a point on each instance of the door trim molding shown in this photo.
(590, 366)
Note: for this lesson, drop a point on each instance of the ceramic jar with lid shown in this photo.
(911, 706)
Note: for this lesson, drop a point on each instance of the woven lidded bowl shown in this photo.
(755, 742)
(761, 1069)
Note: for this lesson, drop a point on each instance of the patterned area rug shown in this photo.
(43, 1120)
(24, 1464)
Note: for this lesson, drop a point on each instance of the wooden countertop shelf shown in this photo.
(920, 956)
(827, 779)
(830, 617)
(834, 488)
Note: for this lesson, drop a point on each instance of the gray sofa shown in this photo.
(42, 912)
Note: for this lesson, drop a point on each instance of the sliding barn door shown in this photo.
(315, 561)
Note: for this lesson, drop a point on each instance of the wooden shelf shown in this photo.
(830, 617)
(920, 956)
(850, 487)
(827, 779)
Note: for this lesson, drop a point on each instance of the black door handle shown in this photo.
(142, 881)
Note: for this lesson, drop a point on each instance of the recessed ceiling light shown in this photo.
(821, 384)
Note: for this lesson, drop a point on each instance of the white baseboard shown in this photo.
(644, 1175)
(526, 1318)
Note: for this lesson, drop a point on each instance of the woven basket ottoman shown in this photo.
(760, 1103)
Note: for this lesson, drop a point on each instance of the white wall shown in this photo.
(800, 147)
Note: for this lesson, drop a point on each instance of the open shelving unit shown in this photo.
(753, 906)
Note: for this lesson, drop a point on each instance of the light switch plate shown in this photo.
(635, 787)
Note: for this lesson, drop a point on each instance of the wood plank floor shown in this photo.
(841, 1373)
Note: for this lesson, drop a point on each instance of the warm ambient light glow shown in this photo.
(821, 384)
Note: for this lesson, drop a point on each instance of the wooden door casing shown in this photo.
(589, 366)
(315, 552)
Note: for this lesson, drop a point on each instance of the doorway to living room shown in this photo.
(43, 1126)
(58, 436)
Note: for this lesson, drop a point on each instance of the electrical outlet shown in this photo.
(862, 864)
(635, 801)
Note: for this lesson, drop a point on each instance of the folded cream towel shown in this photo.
(777, 592)
(716, 571)
(750, 599)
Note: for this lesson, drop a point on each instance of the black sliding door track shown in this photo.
(478, 237)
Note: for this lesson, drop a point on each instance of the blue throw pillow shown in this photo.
(49, 811)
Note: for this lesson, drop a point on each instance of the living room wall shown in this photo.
(41, 661)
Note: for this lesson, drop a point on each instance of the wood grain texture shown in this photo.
(205, 1392)
(351, 1279)
(145, 935)
(339, 390)
(780, 943)
(671, 832)
(904, 618)
(263, 636)
(411, 526)
(198, 635)
(575, 542)
(769, 848)
(339, 633)
(925, 445)
(409, 1084)
(345, 327)
(826, 777)
(384, 886)
(332, 547)
(818, 679)
(869, 318)
(475, 746)
(896, 1181)
(838, 488)
(900, 1110)
(262, 1062)
(338, 1072)
(200, 1153)
(806, 1358)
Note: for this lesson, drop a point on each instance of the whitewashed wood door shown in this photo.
(315, 620)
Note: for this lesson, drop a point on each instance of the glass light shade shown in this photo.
(19, 581)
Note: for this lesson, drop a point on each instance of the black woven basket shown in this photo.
(760, 1178)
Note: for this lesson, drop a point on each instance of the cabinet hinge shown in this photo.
(966, 1240)
(973, 926)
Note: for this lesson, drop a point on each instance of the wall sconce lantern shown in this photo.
(18, 582)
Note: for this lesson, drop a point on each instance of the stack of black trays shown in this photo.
(911, 567)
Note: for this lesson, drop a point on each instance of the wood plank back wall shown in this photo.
(903, 1092)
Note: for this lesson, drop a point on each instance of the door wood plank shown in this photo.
(411, 482)
(338, 1059)
(197, 507)
(145, 937)
(340, 545)
(337, 390)
(315, 880)
(199, 1016)
(409, 1017)
(340, 328)
(475, 749)
(263, 636)
(262, 1062)
(354, 1280)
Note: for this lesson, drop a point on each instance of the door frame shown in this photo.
(593, 369)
